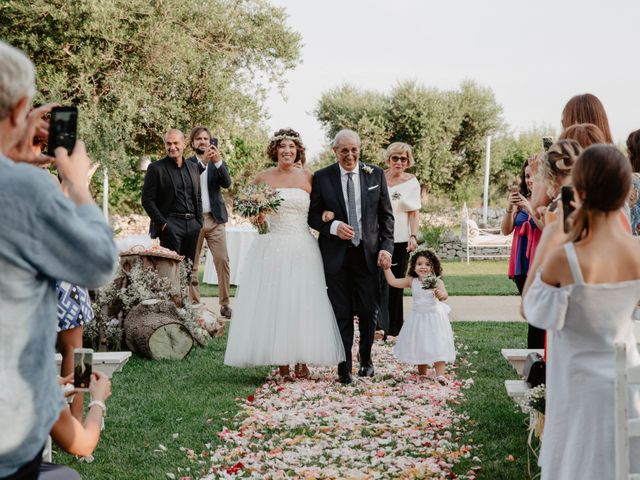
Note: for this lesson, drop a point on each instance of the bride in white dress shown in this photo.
(282, 313)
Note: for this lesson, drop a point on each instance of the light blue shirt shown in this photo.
(43, 237)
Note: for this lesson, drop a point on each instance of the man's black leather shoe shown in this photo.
(345, 379)
(366, 371)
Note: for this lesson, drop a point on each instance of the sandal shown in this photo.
(442, 380)
(301, 370)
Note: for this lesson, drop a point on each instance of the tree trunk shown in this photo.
(154, 330)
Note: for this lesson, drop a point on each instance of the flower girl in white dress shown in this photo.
(426, 336)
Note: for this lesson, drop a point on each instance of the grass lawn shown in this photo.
(476, 278)
(152, 401)
(500, 429)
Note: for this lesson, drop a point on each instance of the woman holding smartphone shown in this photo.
(519, 219)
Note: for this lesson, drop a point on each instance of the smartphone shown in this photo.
(62, 129)
(213, 141)
(82, 368)
(547, 142)
(566, 195)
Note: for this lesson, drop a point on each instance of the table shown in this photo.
(239, 240)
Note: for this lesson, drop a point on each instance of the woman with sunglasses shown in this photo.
(404, 191)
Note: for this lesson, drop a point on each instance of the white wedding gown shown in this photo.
(282, 314)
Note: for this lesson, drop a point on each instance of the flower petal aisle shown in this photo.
(394, 425)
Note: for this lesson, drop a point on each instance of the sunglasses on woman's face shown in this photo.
(398, 158)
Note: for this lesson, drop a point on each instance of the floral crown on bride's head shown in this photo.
(286, 136)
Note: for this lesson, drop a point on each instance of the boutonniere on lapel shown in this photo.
(367, 169)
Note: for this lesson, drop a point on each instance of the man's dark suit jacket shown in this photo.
(217, 178)
(159, 193)
(377, 215)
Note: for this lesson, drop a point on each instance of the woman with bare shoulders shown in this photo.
(283, 315)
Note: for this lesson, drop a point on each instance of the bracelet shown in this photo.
(98, 403)
(414, 237)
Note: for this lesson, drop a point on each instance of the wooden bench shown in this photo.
(105, 362)
(517, 356)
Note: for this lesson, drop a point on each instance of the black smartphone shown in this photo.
(547, 142)
(566, 195)
(62, 129)
(214, 141)
(82, 368)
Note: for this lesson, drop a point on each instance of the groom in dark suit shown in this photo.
(354, 245)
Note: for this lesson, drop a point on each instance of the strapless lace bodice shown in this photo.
(291, 217)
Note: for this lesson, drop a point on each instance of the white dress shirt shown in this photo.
(204, 190)
(356, 186)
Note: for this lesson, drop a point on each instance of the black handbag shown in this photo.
(534, 370)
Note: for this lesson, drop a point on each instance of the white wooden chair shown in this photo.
(625, 428)
(475, 239)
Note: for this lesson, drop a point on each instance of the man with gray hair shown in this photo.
(45, 236)
(354, 245)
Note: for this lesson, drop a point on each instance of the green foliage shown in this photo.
(136, 67)
(432, 235)
(508, 154)
(445, 128)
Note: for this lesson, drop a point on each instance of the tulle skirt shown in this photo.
(426, 337)
(282, 314)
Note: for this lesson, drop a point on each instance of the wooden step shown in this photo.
(105, 362)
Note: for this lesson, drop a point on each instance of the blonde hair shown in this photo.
(557, 163)
(399, 147)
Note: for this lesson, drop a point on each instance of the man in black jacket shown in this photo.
(171, 198)
(214, 176)
(354, 245)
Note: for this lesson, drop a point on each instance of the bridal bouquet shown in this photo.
(430, 281)
(255, 200)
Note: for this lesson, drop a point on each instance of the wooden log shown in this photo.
(164, 266)
(154, 330)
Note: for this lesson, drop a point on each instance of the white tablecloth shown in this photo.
(239, 240)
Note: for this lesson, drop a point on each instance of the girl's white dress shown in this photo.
(583, 322)
(282, 314)
(426, 336)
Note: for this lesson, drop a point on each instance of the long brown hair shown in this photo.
(586, 108)
(586, 134)
(602, 178)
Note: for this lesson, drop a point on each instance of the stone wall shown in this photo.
(451, 246)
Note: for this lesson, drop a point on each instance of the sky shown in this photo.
(533, 55)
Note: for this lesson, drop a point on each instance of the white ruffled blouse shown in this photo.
(405, 198)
